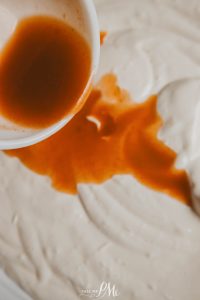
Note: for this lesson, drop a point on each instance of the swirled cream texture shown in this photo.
(54, 245)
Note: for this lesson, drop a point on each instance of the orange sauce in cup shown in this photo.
(44, 69)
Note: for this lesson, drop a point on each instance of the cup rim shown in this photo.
(40, 135)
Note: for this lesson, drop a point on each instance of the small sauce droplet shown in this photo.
(103, 35)
(110, 135)
(44, 69)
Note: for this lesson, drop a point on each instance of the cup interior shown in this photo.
(81, 15)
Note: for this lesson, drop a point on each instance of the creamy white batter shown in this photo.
(121, 232)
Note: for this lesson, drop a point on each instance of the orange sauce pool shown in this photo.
(110, 135)
(44, 69)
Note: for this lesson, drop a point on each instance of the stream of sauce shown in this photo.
(110, 135)
(44, 69)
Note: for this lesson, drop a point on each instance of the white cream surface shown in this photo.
(146, 244)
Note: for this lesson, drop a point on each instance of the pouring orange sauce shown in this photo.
(44, 69)
(111, 135)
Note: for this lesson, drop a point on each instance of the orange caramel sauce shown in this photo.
(103, 35)
(110, 135)
(44, 69)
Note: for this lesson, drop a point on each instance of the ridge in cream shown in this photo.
(46, 67)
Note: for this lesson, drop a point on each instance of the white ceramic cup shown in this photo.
(81, 15)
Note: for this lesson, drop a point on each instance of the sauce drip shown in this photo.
(110, 135)
(44, 69)
(103, 35)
